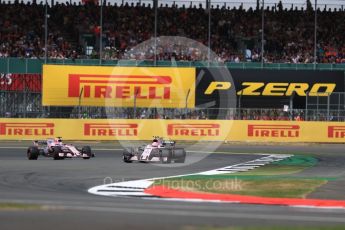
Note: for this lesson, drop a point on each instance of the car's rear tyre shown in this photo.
(179, 155)
(86, 150)
(32, 153)
(57, 150)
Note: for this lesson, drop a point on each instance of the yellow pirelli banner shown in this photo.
(65, 85)
(193, 130)
(111, 129)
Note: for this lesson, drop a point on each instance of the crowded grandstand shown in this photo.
(74, 30)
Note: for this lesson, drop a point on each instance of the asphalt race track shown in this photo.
(61, 186)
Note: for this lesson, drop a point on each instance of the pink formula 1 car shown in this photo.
(54, 147)
(159, 151)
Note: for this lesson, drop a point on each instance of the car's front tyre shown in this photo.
(165, 156)
(32, 153)
(56, 153)
(86, 152)
(179, 155)
(127, 156)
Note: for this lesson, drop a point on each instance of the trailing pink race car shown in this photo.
(54, 147)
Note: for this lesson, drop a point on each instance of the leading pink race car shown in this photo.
(159, 151)
(54, 147)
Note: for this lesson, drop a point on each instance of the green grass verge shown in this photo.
(285, 188)
(273, 180)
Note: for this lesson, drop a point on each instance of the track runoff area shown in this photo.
(234, 185)
(192, 187)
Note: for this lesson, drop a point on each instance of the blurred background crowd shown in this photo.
(74, 32)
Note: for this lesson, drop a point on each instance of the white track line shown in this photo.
(137, 187)
(245, 167)
(129, 188)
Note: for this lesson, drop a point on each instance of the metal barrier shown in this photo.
(325, 108)
(23, 65)
(30, 109)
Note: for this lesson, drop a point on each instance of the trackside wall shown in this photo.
(204, 130)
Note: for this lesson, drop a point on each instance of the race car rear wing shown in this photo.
(163, 141)
(168, 142)
(45, 142)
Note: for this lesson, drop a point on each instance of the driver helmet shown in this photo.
(57, 141)
(155, 143)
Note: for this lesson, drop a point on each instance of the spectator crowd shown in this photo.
(74, 32)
